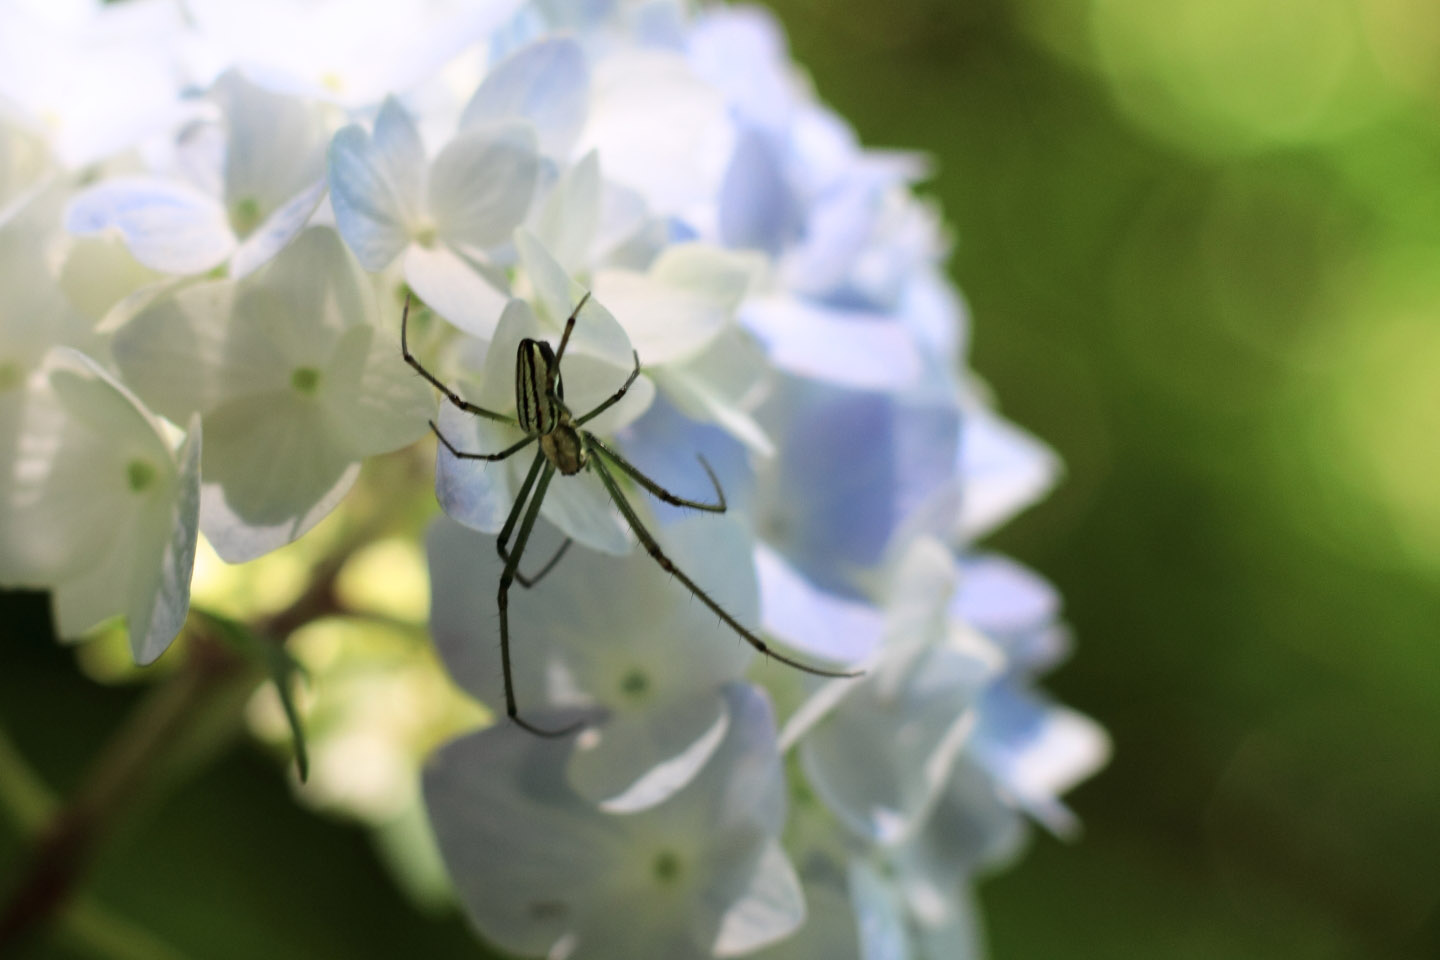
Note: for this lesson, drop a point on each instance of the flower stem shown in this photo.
(66, 846)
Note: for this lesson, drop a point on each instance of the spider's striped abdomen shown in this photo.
(537, 409)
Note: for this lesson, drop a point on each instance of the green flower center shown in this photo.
(141, 475)
(426, 235)
(305, 380)
(245, 215)
(635, 684)
(666, 867)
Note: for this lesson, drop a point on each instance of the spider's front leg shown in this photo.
(435, 381)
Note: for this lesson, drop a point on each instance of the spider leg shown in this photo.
(419, 368)
(658, 491)
(615, 397)
(554, 370)
(503, 598)
(503, 540)
(508, 451)
(551, 564)
(668, 565)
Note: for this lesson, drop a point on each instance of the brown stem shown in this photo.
(64, 850)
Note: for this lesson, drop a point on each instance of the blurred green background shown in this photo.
(1201, 244)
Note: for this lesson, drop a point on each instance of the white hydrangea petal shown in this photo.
(140, 562)
(771, 908)
(1004, 469)
(276, 231)
(597, 332)
(273, 469)
(859, 351)
(680, 306)
(952, 930)
(97, 275)
(581, 507)
(666, 647)
(662, 131)
(521, 847)
(482, 183)
(569, 220)
(159, 598)
(557, 868)
(366, 181)
(589, 381)
(637, 759)
(453, 287)
(721, 385)
(169, 226)
(546, 83)
(374, 400)
(881, 758)
(474, 492)
(307, 296)
(110, 411)
(721, 37)
(811, 620)
(274, 144)
(100, 590)
(973, 827)
(184, 353)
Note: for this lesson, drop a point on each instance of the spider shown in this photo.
(568, 448)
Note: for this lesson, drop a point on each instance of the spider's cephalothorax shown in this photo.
(567, 448)
(540, 407)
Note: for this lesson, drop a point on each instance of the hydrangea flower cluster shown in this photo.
(200, 278)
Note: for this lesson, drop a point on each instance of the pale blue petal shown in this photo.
(852, 467)
(808, 619)
(401, 155)
(1036, 751)
(861, 351)
(667, 446)
(160, 586)
(879, 914)
(758, 207)
(1004, 470)
(169, 226)
(546, 83)
(1002, 598)
(477, 493)
(279, 229)
(369, 209)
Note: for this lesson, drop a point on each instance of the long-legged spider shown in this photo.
(564, 446)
